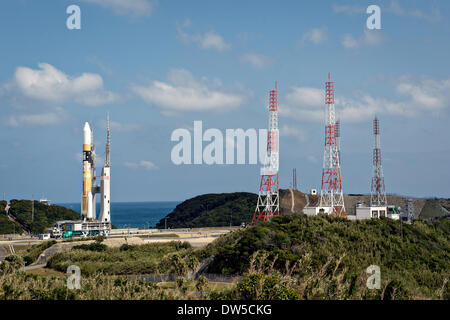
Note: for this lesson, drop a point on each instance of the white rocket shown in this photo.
(87, 199)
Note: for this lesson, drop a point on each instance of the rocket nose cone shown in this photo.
(87, 134)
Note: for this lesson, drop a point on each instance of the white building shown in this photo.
(362, 212)
(313, 211)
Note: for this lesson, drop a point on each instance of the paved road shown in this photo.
(32, 267)
(292, 200)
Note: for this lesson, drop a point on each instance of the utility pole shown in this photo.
(401, 227)
(32, 208)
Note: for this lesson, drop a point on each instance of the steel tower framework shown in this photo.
(268, 204)
(378, 190)
(294, 179)
(331, 194)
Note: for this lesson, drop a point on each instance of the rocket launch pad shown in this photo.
(90, 189)
(89, 223)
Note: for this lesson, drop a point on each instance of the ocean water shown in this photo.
(133, 214)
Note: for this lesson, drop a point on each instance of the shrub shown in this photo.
(201, 283)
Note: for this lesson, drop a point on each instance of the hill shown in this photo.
(413, 258)
(6, 225)
(435, 209)
(211, 210)
(216, 210)
(44, 216)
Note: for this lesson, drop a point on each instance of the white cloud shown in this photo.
(124, 7)
(370, 38)
(394, 8)
(349, 42)
(428, 93)
(316, 36)
(48, 84)
(185, 93)
(348, 9)
(414, 97)
(120, 127)
(36, 119)
(295, 132)
(208, 40)
(145, 164)
(312, 159)
(257, 61)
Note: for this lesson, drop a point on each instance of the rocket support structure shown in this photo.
(105, 187)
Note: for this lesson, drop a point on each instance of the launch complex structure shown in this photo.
(89, 224)
(331, 195)
(268, 205)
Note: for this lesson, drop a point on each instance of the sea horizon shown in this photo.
(133, 214)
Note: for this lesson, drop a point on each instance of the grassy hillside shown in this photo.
(6, 225)
(215, 210)
(416, 265)
(172, 257)
(44, 216)
(211, 210)
(435, 208)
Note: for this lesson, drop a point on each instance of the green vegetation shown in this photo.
(32, 253)
(11, 264)
(7, 226)
(171, 257)
(339, 250)
(212, 210)
(25, 286)
(44, 215)
(292, 257)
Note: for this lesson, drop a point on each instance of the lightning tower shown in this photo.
(331, 194)
(338, 138)
(378, 190)
(268, 204)
(294, 179)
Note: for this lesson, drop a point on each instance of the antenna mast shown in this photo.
(268, 204)
(378, 190)
(331, 194)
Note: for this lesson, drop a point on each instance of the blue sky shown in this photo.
(156, 66)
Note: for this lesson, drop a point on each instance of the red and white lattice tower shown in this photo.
(338, 138)
(268, 204)
(331, 194)
(378, 192)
